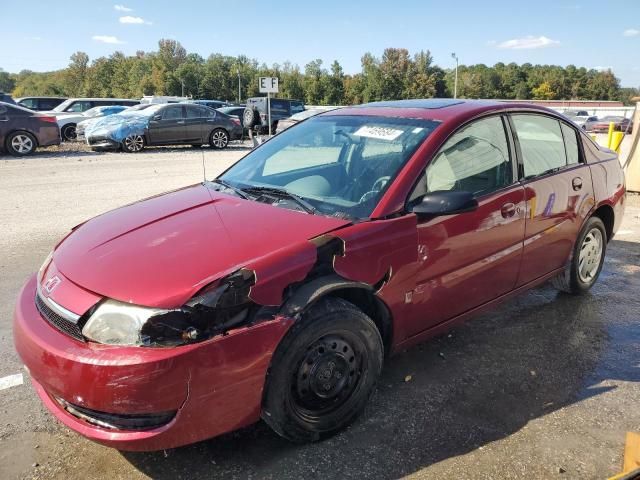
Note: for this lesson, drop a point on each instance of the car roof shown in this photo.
(42, 98)
(439, 109)
(103, 98)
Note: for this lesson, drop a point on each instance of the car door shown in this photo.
(167, 126)
(558, 189)
(5, 122)
(195, 122)
(471, 258)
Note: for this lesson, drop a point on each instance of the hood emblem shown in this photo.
(51, 284)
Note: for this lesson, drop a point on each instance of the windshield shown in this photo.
(341, 165)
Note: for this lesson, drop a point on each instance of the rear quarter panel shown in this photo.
(608, 179)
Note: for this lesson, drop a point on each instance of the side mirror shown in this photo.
(439, 203)
(156, 117)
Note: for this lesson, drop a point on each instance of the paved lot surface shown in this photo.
(544, 387)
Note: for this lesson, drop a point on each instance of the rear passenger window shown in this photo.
(172, 113)
(571, 144)
(475, 159)
(541, 144)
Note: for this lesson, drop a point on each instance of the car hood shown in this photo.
(159, 252)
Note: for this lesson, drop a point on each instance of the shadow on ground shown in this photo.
(477, 384)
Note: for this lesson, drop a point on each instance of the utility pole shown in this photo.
(455, 82)
(182, 82)
(239, 85)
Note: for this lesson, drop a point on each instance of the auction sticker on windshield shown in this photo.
(381, 133)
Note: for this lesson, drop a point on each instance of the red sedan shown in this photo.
(276, 290)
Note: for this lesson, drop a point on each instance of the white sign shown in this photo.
(268, 84)
(380, 133)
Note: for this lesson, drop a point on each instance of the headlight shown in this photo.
(118, 323)
(214, 310)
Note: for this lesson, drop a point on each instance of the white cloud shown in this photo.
(528, 42)
(631, 32)
(134, 20)
(122, 8)
(35, 39)
(107, 39)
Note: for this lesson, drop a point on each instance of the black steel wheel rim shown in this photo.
(328, 375)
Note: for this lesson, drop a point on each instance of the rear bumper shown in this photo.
(49, 136)
(204, 389)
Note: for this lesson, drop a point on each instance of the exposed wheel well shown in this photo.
(605, 213)
(374, 308)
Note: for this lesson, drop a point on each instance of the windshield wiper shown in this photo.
(226, 184)
(284, 193)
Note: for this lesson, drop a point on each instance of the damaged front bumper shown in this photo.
(138, 398)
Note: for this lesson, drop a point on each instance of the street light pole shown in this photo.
(455, 82)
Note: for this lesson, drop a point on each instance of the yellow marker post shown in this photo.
(610, 134)
(616, 141)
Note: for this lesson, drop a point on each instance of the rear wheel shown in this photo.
(587, 259)
(20, 144)
(68, 132)
(133, 143)
(323, 372)
(219, 139)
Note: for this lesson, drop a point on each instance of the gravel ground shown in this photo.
(543, 387)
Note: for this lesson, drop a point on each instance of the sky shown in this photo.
(589, 33)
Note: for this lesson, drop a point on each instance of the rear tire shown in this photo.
(68, 132)
(323, 372)
(133, 143)
(20, 144)
(586, 260)
(219, 139)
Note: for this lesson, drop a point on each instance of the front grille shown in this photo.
(59, 322)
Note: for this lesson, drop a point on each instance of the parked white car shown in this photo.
(67, 122)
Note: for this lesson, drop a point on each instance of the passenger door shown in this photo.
(167, 126)
(558, 188)
(468, 259)
(194, 125)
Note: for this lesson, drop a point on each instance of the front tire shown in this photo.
(586, 261)
(219, 139)
(133, 143)
(323, 372)
(20, 144)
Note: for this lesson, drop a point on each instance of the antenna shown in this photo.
(204, 168)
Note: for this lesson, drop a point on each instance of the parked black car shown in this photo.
(42, 104)
(210, 103)
(23, 130)
(164, 124)
(5, 97)
(256, 112)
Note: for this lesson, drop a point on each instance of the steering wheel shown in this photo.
(378, 185)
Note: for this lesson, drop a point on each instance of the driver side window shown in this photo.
(475, 159)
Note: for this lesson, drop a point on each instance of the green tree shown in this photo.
(543, 92)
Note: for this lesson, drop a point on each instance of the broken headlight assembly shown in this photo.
(214, 310)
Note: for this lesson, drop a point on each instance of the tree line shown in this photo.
(397, 74)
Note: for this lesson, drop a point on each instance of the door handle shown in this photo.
(576, 183)
(180, 122)
(508, 210)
